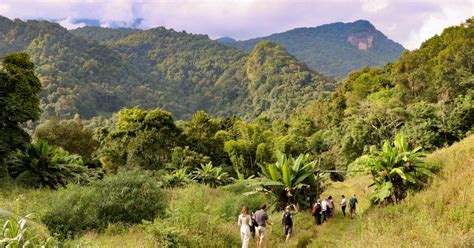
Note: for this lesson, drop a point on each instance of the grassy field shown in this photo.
(440, 216)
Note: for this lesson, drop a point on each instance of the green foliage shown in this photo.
(71, 135)
(210, 175)
(141, 139)
(328, 48)
(396, 169)
(42, 165)
(16, 231)
(291, 180)
(74, 211)
(128, 197)
(19, 102)
(103, 34)
(279, 83)
(186, 158)
(177, 178)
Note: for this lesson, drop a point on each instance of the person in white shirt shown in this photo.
(343, 205)
(324, 208)
(245, 221)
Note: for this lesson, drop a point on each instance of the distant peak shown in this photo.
(364, 23)
(226, 40)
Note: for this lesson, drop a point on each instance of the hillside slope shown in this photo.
(336, 48)
(440, 216)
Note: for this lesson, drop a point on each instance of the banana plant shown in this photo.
(43, 165)
(210, 175)
(396, 169)
(178, 178)
(289, 180)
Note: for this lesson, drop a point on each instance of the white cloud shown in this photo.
(374, 5)
(434, 23)
(69, 23)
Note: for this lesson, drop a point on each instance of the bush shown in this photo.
(74, 211)
(234, 199)
(127, 197)
(193, 220)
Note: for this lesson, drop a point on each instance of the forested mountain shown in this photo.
(97, 71)
(336, 48)
(103, 34)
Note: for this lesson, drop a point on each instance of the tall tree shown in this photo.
(19, 102)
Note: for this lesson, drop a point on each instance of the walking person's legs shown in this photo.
(261, 236)
(245, 240)
(344, 210)
(288, 230)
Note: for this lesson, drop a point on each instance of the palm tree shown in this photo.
(396, 169)
(290, 180)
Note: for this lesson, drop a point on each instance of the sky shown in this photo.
(409, 22)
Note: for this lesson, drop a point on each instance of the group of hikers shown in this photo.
(323, 210)
(254, 225)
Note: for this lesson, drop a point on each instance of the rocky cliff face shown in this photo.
(362, 41)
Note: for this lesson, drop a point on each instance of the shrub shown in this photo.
(232, 202)
(193, 220)
(128, 197)
(73, 212)
(167, 236)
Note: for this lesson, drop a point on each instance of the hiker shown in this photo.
(343, 205)
(245, 222)
(352, 204)
(317, 212)
(287, 220)
(262, 219)
(330, 207)
(324, 208)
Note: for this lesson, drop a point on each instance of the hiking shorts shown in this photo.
(260, 231)
(288, 229)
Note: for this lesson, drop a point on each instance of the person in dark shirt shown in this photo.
(287, 220)
(317, 212)
(262, 219)
(352, 204)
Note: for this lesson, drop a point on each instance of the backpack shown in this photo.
(313, 210)
(352, 202)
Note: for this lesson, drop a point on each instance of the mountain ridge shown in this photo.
(335, 48)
